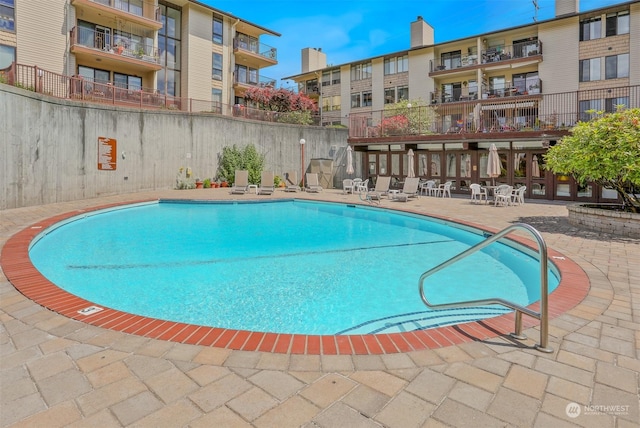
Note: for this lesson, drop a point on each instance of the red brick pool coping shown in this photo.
(21, 273)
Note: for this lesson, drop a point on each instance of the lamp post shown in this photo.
(302, 141)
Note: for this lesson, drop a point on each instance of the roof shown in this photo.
(405, 51)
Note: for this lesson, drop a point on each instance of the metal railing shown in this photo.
(255, 47)
(543, 315)
(517, 113)
(113, 45)
(78, 88)
(148, 10)
(487, 56)
(262, 81)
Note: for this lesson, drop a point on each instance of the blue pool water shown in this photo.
(280, 266)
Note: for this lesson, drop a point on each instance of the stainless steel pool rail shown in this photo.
(543, 315)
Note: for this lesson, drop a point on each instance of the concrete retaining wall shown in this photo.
(49, 147)
(609, 221)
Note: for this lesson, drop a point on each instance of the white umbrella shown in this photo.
(535, 168)
(350, 169)
(493, 162)
(412, 171)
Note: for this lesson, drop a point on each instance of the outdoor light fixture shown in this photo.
(302, 142)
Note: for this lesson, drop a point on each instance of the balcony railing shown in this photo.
(118, 45)
(525, 87)
(81, 89)
(261, 81)
(490, 55)
(255, 47)
(527, 113)
(149, 10)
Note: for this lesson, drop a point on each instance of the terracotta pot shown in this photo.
(198, 184)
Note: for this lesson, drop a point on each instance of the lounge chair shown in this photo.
(291, 181)
(266, 183)
(381, 189)
(409, 189)
(313, 185)
(241, 183)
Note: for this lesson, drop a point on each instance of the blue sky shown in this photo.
(349, 30)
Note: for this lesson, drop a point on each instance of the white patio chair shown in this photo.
(502, 195)
(428, 188)
(477, 193)
(517, 195)
(444, 189)
(363, 186)
(347, 186)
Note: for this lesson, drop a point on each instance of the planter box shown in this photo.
(619, 223)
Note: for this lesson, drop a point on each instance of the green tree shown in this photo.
(605, 151)
(408, 117)
(233, 158)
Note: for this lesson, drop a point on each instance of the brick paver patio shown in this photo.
(55, 371)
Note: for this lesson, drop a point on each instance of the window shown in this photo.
(403, 93)
(526, 82)
(390, 96)
(7, 15)
(326, 78)
(361, 71)
(127, 82)
(169, 48)
(611, 104)
(216, 100)
(590, 29)
(497, 85)
(367, 99)
(7, 56)
(131, 6)
(451, 60)
(335, 77)
(217, 30)
(586, 106)
(403, 64)
(617, 23)
(590, 70)
(616, 66)
(355, 100)
(389, 66)
(216, 69)
(248, 43)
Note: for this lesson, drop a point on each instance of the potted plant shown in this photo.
(206, 183)
(199, 183)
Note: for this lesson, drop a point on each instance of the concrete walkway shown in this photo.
(59, 372)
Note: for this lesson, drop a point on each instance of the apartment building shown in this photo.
(182, 49)
(520, 88)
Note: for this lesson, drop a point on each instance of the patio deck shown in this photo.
(59, 372)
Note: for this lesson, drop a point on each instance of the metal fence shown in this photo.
(500, 114)
(78, 88)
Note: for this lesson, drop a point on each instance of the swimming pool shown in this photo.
(280, 266)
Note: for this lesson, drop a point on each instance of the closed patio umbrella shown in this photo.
(411, 172)
(423, 160)
(535, 168)
(350, 169)
(493, 163)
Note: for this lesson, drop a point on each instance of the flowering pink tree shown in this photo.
(397, 124)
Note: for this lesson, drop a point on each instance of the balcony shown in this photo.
(254, 54)
(94, 10)
(243, 81)
(535, 116)
(90, 45)
(520, 88)
(520, 52)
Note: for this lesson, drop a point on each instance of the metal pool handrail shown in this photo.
(543, 315)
